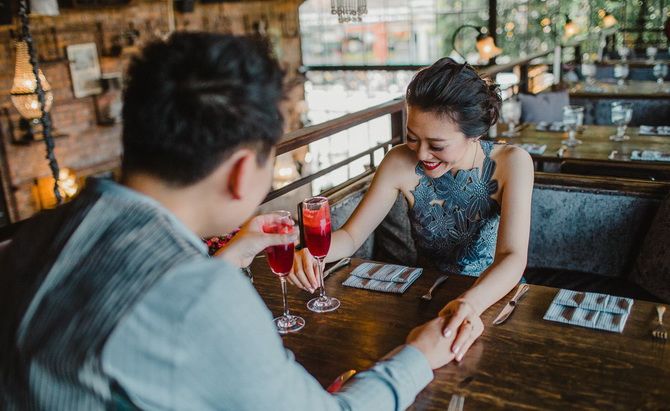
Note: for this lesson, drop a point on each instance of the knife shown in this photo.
(507, 309)
(343, 262)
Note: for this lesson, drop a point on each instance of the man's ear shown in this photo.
(239, 171)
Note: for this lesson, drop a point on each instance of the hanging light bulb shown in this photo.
(349, 10)
(570, 28)
(609, 21)
(23, 93)
(486, 47)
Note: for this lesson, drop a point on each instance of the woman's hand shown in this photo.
(251, 240)
(464, 323)
(305, 271)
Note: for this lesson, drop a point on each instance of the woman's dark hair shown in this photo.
(195, 98)
(457, 91)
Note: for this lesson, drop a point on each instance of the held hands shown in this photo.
(251, 240)
(305, 271)
(462, 324)
(430, 340)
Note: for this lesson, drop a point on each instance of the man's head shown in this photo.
(197, 109)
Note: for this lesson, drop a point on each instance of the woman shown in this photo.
(469, 200)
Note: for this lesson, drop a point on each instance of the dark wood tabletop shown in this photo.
(596, 144)
(526, 363)
(633, 89)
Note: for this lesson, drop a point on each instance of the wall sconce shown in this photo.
(570, 28)
(486, 46)
(24, 95)
(609, 21)
(68, 187)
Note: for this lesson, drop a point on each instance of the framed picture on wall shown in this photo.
(84, 69)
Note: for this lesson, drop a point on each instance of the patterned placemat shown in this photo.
(590, 310)
(389, 278)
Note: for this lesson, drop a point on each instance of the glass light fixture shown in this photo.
(571, 28)
(349, 10)
(486, 47)
(23, 92)
(609, 21)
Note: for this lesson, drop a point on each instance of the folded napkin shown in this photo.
(649, 155)
(654, 131)
(537, 149)
(388, 278)
(553, 126)
(590, 310)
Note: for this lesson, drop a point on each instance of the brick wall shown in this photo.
(89, 148)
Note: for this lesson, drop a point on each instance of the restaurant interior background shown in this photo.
(333, 68)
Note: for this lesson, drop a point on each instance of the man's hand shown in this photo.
(430, 340)
(251, 240)
(463, 324)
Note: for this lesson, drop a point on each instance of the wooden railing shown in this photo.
(311, 134)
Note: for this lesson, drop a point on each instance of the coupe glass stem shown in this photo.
(571, 135)
(287, 315)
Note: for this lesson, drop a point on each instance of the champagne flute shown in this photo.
(622, 113)
(573, 117)
(317, 230)
(511, 113)
(280, 259)
(621, 73)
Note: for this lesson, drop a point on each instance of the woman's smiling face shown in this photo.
(437, 141)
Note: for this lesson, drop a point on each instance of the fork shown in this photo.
(456, 403)
(429, 295)
(660, 332)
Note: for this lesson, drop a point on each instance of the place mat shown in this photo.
(389, 278)
(590, 310)
(654, 131)
(537, 149)
(649, 155)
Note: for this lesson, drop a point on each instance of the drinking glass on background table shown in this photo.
(589, 73)
(621, 74)
(622, 113)
(660, 72)
(316, 229)
(280, 259)
(573, 117)
(624, 52)
(511, 114)
(651, 53)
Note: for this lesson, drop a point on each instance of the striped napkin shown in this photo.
(590, 310)
(389, 278)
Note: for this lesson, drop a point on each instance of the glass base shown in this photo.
(614, 137)
(289, 324)
(510, 133)
(323, 304)
(571, 142)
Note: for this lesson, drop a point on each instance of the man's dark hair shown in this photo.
(193, 99)
(457, 91)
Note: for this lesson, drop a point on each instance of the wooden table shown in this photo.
(527, 363)
(596, 145)
(633, 89)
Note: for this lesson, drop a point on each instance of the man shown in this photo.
(114, 292)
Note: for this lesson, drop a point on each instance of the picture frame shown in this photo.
(84, 69)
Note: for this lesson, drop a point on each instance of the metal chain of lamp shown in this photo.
(349, 10)
(44, 103)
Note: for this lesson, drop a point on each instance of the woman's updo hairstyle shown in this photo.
(456, 90)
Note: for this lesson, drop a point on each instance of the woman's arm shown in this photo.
(510, 257)
(376, 203)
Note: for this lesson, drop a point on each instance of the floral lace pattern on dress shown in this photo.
(455, 219)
